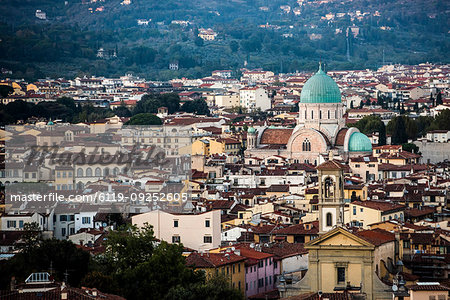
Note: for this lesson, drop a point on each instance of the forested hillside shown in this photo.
(279, 35)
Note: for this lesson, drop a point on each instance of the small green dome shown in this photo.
(359, 143)
(320, 88)
(50, 123)
(251, 130)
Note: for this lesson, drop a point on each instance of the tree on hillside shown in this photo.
(122, 111)
(199, 107)
(399, 135)
(62, 256)
(439, 98)
(69, 103)
(381, 134)
(144, 267)
(151, 102)
(5, 90)
(234, 46)
(144, 119)
(441, 121)
(410, 147)
(32, 236)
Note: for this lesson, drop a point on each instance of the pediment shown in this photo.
(339, 237)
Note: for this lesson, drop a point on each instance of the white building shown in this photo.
(254, 98)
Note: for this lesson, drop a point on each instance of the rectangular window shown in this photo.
(71, 231)
(62, 218)
(207, 223)
(20, 223)
(354, 210)
(175, 239)
(239, 268)
(207, 239)
(11, 224)
(175, 223)
(260, 264)
(340, 275)
(260, 283)
(86, 220)
(63, 231)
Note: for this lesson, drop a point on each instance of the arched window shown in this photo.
(329, 188)
(80, 185)
(305, 114)
(329, 220)
(312, 115)
(88, 172)
(106, 172)
(320, 114)
(98, 172)
(116, 171)
(79, 172)
(306, 146)
(328, 114)
(335, 114)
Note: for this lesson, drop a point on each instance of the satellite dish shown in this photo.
(394, 288)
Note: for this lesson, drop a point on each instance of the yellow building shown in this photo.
(200, 147)
(224, 146)
(355, 192)
(364, 213)
(339, 260)
(228, 264)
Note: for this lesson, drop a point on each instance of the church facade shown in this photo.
(320, 129)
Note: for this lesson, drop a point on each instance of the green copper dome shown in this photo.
(320, 88)
(359, 143)
(251, 130)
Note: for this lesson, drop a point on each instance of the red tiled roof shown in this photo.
(330, 165)
(298, 229)
(212, 260)
(341, 137)
(428, 287)
(379, 205)
(272, 136)
(376, 236)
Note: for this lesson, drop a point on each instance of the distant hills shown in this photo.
(283, 36)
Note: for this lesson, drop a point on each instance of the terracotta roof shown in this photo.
(212, 260)
(379, 205)
(428, 286)
(252, 254)
(330, 165)
(376, 236)
(298, 229)
(341, 137)
(273, 136)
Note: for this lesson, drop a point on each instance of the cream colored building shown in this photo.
(364, 213)
(196, 231)
(337, 259)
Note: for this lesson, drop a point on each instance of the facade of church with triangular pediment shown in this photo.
(341, 261)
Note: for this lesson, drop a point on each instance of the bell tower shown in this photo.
(331, 195)
(251, 138)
